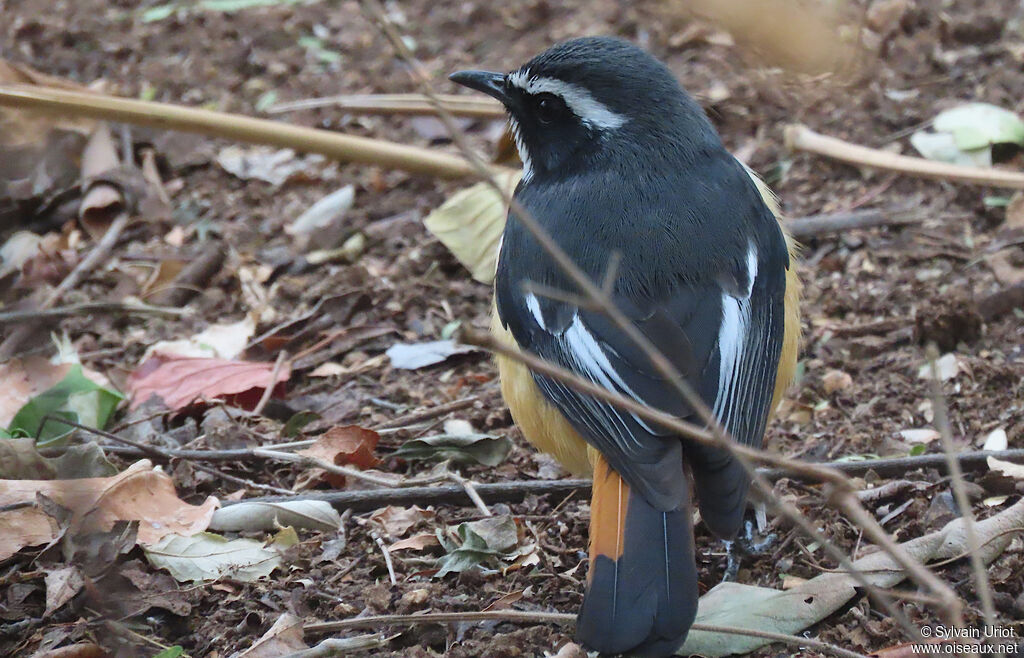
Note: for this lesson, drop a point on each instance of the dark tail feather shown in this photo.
(641, 593)
(721, 485)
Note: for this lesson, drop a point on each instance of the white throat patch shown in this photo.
(590, 110)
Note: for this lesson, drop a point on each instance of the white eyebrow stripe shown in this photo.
(586, 107)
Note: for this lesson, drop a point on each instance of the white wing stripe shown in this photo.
(593, 361)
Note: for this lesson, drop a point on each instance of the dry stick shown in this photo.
(387, 557)
(347, 148)
(313, 462)
(416, 104)
(802, 138)
(360, 500)
(11, 317)
(471, 491)
(269, 390)
(665, 368)
(428, 414)
(529, 617)
(153, 451)
(959, 490)
(811, 226)
(89, 263)
(884, 467)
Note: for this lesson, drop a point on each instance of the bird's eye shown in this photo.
(548, 107)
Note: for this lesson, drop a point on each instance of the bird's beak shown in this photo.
(492, 84)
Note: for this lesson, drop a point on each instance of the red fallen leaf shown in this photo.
(179, 381)
(349, 444)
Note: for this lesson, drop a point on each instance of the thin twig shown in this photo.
(494, 492)
(884, 467)
(242, 481)
(159, 453)
(525, 617)
(387, 556)
(313, 462)
(347, 148)
(428, 414)
(941, 415)
(87, 265)
(802, 138)
(269, 390)
(471, 491)
(12, 317)
(414, 104)
(812, 226)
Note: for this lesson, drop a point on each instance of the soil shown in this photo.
(873, 297)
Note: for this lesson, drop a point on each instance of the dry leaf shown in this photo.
(1009, 469)
(275, 166)
(25, 526)
(397, 521)
(140, 493)
(180, 381)
(470, 224)
(416, 542)
(23, 380)
(61, 586)
(996, 440)
(340, 446)
(923, 435)
(25, 128)
(312, 514)
(283, 638)
(102, 201)
(220, 341)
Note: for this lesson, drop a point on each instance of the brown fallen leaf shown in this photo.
(416, 542)
(23, 380)
(397, 521)
(102, 201)
(283, 638)
(21, 128)
(180, 381)
(140, 493)
(341, 446)
(25, 526)
(61, 586)
(79, 650)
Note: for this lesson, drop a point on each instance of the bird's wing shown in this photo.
(724, 335)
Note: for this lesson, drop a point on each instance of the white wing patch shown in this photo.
(590, 110)
(734, 366)
(592, 361)
(533, 306)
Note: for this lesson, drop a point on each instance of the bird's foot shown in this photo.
(748, 543)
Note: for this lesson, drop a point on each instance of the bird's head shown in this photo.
(590, 101)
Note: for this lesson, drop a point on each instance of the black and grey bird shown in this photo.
(619, 162)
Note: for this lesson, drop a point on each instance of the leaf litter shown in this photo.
(410, 285)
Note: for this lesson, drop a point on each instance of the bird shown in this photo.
(627, 175)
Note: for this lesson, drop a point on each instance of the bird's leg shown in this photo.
(747, 543)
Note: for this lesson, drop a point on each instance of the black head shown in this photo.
(591, 102)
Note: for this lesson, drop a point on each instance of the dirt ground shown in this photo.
(872, 298)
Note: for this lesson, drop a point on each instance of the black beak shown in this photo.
(492, 84)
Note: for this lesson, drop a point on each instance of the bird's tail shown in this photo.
(641, 592)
